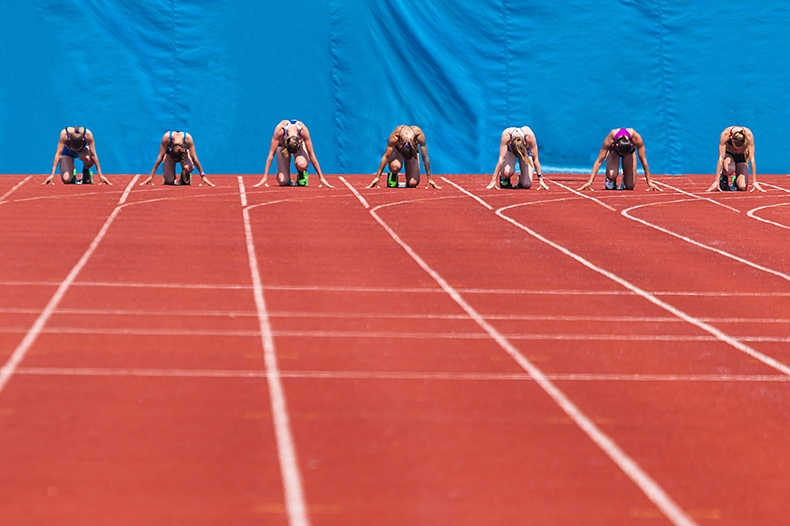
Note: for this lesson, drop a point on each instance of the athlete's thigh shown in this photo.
(612, 165)
(629, 170)
(412, 171)
(66, 168)
(169, 170)
(283, 164)
(509, 166)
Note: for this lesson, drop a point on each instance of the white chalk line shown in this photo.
(614, 319)
(648, 486)
(775, 187)
(355, 192)
(698, 197)
(396, 375)
(394, 290)
(767, 360)
(753, 214)
(295, 504)
(38, 326)
(585, 196)
(104, 331)
(15, 188)
(687, 239)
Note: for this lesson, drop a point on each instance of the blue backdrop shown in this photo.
(679, 71)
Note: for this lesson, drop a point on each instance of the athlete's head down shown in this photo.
(624, 145)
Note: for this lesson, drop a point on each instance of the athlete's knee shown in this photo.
(301, 164)
(395, 166)
(526, 182)
(89, 161)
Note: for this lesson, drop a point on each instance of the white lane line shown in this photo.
(396, 375)
(699, 197)
(295, 503)
(380, 290)
(648, 486)
(687, 239)
(233, 314)
(394, 335)
(776, 187)
(355, 192)
(463, 190)
(38, 326)
(767, 360)
(571, 190)
(752, 213)
(242, 192)
(15, 188)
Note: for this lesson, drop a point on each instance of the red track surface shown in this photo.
(143, 397)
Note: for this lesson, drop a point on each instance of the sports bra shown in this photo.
(68, 137)
(288, 125)
(170, 145)
(622, 132)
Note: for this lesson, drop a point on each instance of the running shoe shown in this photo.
(301, 178)
(724, 184)
(184, 180)
(392, 180)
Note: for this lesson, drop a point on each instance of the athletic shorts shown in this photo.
(737, 157)
(71, 153)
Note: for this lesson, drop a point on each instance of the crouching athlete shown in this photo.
(177, 147)
(76, 142)
(621, 145)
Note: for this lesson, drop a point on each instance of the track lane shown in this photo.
(676, 485)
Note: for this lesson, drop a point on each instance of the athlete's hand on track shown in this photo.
(204, 179)
(432, 183)
(714, 187)
(542, 185)
(49, 180)
(756, 186)
(586, 186)
(491, 185)
(653, 188)
(104, 180)
(147, 181)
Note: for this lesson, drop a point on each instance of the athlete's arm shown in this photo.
(640, 151)
(58, 154)
(308, 144)
(160, 157)
(755, 184)
(720, 163)
(391, 142)
(92, 148)
(500, 162)
(607, 145)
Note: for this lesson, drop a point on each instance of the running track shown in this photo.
(345, 356)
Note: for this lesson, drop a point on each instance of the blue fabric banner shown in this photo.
(679, 71)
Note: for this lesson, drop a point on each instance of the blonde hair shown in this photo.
(519, 149)
(739, 139)
(289, 143)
